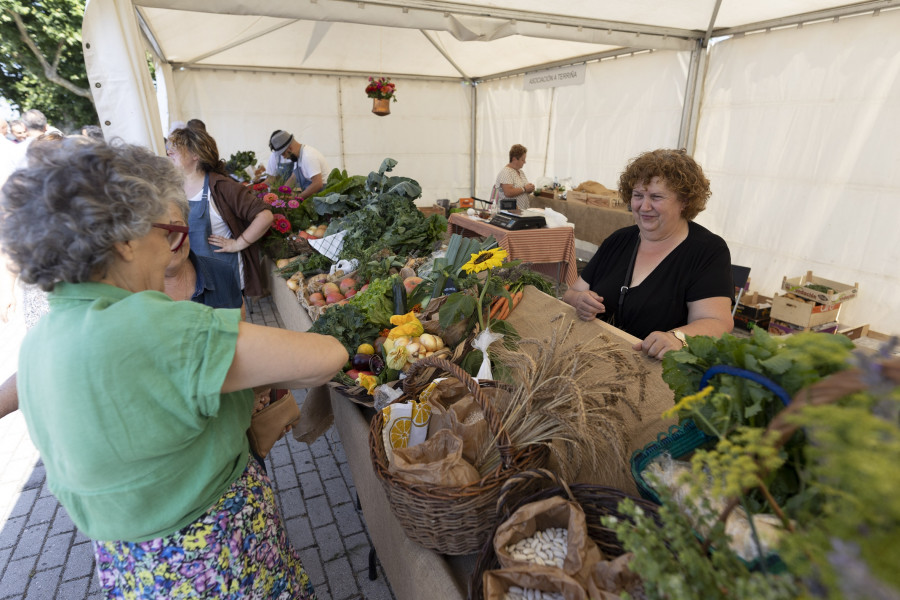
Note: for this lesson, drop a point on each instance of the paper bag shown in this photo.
(581, 551)
(499, 581)
(315, 416)
(436, 461)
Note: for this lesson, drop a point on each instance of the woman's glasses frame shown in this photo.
(177, 234)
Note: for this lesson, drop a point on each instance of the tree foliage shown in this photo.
(42, 63)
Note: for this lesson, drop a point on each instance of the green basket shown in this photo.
(678, 441)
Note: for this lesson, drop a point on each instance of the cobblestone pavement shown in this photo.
(44, 557)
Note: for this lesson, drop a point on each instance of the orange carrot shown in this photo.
(517, 297)
(504, 313)
(497, 306)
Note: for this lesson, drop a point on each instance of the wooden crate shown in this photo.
(754, 306)
(837, 292)
(782, 328)
(803, 313)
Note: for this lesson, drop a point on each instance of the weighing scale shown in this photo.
(515, 220)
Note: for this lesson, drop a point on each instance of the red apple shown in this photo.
(352, 374)
(316, 297)
(331, 288)
(350, 293)
(332, 298)
(348, 283)
(410, 283)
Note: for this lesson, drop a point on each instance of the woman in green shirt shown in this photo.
(140, 405)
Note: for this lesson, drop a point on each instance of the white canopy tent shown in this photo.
(793, 108)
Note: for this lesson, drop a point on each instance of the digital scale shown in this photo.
(515, 220)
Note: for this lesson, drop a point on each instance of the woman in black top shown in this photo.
(666, 277)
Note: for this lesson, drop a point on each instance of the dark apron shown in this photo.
(302, 181)
(200, 228)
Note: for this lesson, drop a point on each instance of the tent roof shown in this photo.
(460, 40)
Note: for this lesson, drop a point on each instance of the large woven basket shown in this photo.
(526, 487)
(451, 520)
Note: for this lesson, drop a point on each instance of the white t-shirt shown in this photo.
(220, 227)
(311, 163)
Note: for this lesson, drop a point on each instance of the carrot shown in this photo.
(517, 297)
(497, 306)
(505, 312)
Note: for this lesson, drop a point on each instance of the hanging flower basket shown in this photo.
(381, 107)
(382, 91)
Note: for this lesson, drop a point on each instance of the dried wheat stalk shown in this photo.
(565, 397)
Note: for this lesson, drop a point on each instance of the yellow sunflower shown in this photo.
(486, 259)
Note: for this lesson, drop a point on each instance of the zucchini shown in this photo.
(399, 297)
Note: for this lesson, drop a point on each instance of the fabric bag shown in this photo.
(269, 424)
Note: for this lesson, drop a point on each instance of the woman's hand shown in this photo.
(658, 343)
(529, 188)
(587, 304)
(227, 244)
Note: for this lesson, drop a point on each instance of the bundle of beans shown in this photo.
(517, 593)
(545, 548)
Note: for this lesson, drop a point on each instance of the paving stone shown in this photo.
(43, 585)
(347, 518)
(17, 576)
(311, 485)
(24, 503)
(337, 492)
(286, 477)
(280, 455)
(73, 590)
(62, 522)
(358, 546)
(292, 504)
(5, 555)
(327, 468)
(320, 447)
(36, 479)
(340, 579)
(303, 462)
(43, 510)
(299, 532)
(338, 453)
(31, 540)
(80, 562)
(329, 542)
(313, 565)
(55, 550)
(45, 490)
(318, 511)
(9, 535)
(80, 538)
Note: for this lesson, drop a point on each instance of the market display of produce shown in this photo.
(763, 491)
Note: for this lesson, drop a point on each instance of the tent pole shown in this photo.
(549, 129)
(694, 85)
(473, 139)
(340, 91)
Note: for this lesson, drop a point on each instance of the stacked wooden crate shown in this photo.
(810, 304)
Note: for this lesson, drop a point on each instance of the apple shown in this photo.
(348, 283)
(350, 293)
(316, 297)
(364, 287)
(353, 374)
(332, 298)
(410, 283)
(331, 288)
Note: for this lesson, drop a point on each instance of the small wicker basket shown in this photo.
(451, 520)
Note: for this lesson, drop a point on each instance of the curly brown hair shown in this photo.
(677, 169)
(517, 151)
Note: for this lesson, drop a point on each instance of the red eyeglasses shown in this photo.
(176, 236)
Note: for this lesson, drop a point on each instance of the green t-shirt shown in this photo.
(121, 394)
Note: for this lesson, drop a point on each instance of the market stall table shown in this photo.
(592, 223)
(550, 250)
(415, 572)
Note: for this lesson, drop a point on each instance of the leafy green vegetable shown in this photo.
(348, 324)
(375, 302)
(239, 161)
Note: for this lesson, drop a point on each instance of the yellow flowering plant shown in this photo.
(486, 260)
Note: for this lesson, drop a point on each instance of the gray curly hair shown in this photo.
(61, 217)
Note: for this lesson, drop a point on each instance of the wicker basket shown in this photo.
(451, 520)
(526, 487)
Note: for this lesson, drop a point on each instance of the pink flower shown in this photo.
(293, 204)
(270, 198)
(281, 224)
(285, 189)
(260, 187)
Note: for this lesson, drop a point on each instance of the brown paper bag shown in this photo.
(448, 391)
(609, 578)
(269, 424)
(315, 416)
(581, 552)
(437, 461)
(545, 579)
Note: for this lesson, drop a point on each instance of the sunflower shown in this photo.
(486, 259)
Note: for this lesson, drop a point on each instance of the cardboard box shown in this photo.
(782, 328)
(432, 210)
(754, 306)
(837, 292)
(748, 323)
(803, 313)
(610, 200)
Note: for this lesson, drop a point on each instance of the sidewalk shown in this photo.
(43, 556)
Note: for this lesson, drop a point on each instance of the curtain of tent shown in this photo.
(798, 133)
(426, 132)
(626, 106)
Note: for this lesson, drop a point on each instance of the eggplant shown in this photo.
(367, 362)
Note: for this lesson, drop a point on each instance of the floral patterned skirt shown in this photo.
(237, 549)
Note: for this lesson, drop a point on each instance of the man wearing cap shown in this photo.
(305, 164)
